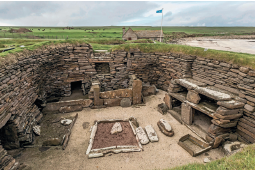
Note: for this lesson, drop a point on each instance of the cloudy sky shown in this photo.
(127, 13)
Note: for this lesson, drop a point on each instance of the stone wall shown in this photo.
(235, 79)
(50, 72)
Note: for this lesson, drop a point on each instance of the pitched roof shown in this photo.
(148, 33)
(128, 30)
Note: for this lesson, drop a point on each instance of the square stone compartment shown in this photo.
(103, 142)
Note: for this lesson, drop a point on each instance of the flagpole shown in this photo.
(161, 26)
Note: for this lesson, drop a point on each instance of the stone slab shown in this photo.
(228, 125)
(73, 108)
(149, 90)
(204, 107)
(224, 111)
(193, 96)
(232, 104)
(168, 101)
(55, 106)
(117, 128)
(120, 93)
(179, 96)
(214, 93)
(126, 102)
(97, 100)
(152, 135)
(227, 117)
(137, 92)
(187, 113)
(112, 102)
(190, 83)
(142, 135)
(166, 125)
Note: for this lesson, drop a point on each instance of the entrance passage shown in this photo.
(76, 92)
(76, 86)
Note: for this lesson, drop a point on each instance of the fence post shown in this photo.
(67, 36)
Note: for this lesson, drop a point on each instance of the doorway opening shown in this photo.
(76, 86)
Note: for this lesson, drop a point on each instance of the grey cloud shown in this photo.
(218, 14)
(168, 14)
(94, 13)
(19, 9)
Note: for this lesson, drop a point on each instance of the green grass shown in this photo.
(242, 59)
(243, 160)
(116, 31)
(139, 41)
(8, 57)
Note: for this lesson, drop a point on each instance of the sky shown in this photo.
(127, 13)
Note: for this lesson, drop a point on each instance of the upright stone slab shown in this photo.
(137, 91)
(97, 100)
(187, 113)
(168, 101)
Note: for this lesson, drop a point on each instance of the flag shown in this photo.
(159, 11)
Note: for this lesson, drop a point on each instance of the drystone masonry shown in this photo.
(26, 85)
(235, 79)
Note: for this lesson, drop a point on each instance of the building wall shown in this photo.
(131, 34)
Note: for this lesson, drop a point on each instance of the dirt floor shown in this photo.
(234, 45)
(103, 138)
(159, 155)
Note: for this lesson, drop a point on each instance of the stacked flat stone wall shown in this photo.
(235, 79)
(50, 72)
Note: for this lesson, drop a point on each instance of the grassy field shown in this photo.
(116, 31)
(110, 38)
(244, 160)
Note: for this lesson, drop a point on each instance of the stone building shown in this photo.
(142, 34)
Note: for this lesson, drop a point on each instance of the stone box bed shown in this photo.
(103, 142)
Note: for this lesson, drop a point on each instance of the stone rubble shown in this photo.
(36, 130)
(66, 122)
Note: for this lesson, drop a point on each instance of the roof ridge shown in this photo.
(127, 30)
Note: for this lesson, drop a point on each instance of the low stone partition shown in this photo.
(120, 97)
(59, 106)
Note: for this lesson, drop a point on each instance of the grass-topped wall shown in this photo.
(241, 59)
